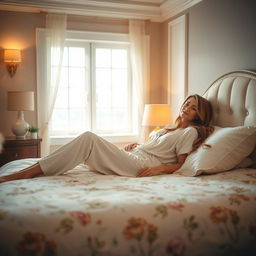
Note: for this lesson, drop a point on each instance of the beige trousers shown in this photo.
(99, 155)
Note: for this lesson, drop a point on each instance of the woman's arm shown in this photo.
(162, 169)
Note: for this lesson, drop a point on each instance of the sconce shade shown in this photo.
(157, 115)
(12, 58)
(12, 55)
(23, 101)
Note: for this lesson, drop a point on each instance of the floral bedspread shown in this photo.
(85, 213)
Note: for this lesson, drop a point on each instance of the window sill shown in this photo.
(116, 139)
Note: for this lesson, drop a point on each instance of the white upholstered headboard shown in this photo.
(233, 97)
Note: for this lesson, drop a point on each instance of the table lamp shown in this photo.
(157, 115)
(20, 101)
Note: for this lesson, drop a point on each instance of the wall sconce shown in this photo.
(12, 58)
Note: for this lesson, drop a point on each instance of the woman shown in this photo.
(164, 153)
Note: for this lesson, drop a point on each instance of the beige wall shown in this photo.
(221, 38)
(165, 53)
(17, 30)
(156, 65)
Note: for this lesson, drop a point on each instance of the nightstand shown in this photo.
(14, 149)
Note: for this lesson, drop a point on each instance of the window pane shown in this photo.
(119, 119)
(112, 92)
(63, 78)
(103, 79)
(103, 119)
(55, 56)
(65, 57)
(77, 120)
(103, 88)
(76, 57)
(103, 57)
(70, 110)
(111, 120)
(77, 98)
(119, 88)
(60, 120)
(76, 77)
(62, 98)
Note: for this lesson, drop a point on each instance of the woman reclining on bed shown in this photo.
(164, 153)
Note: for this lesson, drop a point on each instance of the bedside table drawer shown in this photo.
(19, 153)
(18, 149)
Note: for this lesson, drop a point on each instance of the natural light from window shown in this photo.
(95, 91)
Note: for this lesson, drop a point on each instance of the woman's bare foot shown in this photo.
(28, 173)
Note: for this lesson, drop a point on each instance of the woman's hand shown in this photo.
(151, 171)
(130, 147)
(162, 169)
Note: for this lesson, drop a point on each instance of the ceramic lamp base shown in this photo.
(20, 127)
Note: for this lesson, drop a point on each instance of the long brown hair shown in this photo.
(202, 121)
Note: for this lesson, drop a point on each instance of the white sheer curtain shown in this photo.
(140, 66)
(55, 39)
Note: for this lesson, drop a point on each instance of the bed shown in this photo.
(85, 213)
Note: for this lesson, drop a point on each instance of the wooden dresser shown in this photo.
(14, 149)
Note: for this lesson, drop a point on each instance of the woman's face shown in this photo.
(189, 110)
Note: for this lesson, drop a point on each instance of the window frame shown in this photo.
(93, 85)
(83, 36)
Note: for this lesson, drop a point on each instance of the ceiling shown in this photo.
(154, 10)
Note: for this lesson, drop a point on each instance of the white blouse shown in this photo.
(169, 146)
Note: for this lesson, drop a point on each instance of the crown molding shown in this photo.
(169, 9)
(154, 10)
(17, 8)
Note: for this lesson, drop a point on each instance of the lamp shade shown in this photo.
(157, 115)
(21, 101)
(12, 55)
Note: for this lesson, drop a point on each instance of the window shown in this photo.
(112, 103)
(95, 92)
(71, 108)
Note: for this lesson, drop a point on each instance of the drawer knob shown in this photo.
(15, 155)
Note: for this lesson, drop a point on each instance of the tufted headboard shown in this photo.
(233, 97)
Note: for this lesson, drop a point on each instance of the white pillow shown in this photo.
(247, 162)
(229, 146)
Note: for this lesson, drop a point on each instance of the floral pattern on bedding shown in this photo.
(85, 213)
